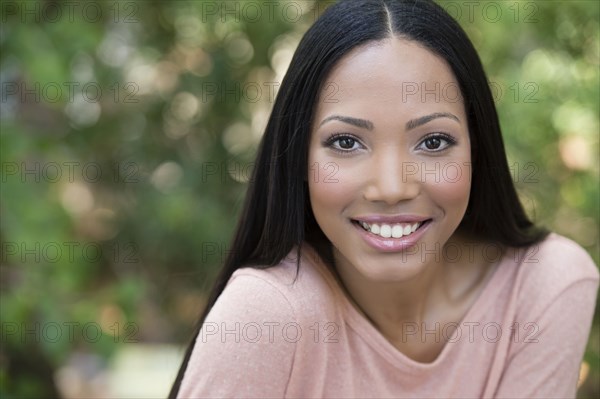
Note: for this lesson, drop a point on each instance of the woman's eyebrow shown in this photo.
(428, 118)
(365, 124)
(362, 123)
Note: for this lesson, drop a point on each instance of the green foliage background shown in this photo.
(140, 243)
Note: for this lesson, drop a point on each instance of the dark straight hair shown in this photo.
(277, 215)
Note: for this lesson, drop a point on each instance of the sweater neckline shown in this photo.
(374, 338)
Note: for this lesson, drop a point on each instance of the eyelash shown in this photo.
(450, 141)
(336, 137)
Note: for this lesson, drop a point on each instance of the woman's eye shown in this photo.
(346, 143)
(433, 143)
(343, 143)
(437, 143)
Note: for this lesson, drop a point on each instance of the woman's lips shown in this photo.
(392, 237)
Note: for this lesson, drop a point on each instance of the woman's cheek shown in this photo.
(454, 187)
(334, 184)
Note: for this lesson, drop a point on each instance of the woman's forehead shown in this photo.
(392, 75)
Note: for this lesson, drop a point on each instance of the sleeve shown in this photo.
(241, 350)
(545, 360)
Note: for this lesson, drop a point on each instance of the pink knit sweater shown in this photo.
(524, 337)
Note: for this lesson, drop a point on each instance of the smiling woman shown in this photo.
(382, 250)
(372, 157)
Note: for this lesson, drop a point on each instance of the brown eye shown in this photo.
(437, 142)
(343, 144)
(346, 143)
(433, 143)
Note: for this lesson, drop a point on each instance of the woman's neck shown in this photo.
(442, 288)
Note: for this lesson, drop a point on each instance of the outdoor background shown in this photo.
(128, 131)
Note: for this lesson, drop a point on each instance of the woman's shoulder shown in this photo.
(306, 286)
(556, 257)
(546, 270)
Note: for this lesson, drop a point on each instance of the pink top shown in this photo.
(524, 336)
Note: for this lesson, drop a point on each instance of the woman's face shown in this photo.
(389, 159)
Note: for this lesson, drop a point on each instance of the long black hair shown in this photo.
(277, 215)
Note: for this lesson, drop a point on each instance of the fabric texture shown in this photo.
(524, 337)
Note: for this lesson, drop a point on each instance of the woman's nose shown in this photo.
(392, 178)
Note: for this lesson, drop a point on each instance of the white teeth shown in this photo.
(386, 230)
(397, 231)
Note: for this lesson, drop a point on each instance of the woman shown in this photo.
(382, 250)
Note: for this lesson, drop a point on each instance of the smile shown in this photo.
(397, 230)
(391, 236)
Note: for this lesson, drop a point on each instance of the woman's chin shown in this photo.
(389, 268)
